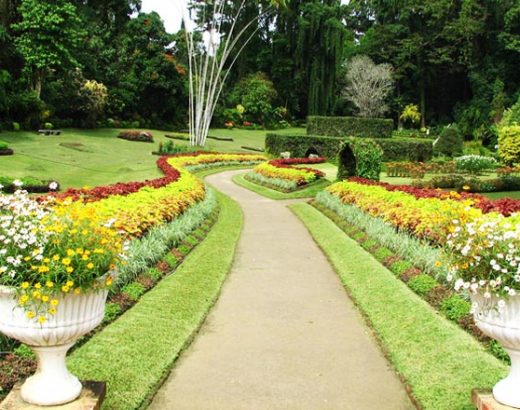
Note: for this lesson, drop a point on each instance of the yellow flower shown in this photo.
(90, 265)
(30, 314)
(56, 258)
(70, 252)
(45, 298)
(43, 269)
(466, 187)
(27, 258)
(46, 260)
(109, 281)
(52, 311)
(55, 302)
(38, 285)
(49, 284)
(65, 288)
(25, 285)
(77, 291)
(79, 251)
(66, 261)
(36, 294)
(70, 283)
(42, 319)
(70, 269)
(84, 257)
(84, 232)
(438, 264)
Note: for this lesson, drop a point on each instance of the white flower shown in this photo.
(17, 183)
(53, 186)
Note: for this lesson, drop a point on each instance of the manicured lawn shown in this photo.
(96, 157)
(308, 192)
(439, 361)
(135, 353)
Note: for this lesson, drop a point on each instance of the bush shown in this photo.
(509, 144)
(30, 184)
(361, 158)
(450, 142)
(350, 127)
(170, 148)
(133, 290)
(3, 145)
(112, 311)
(16, 126)
(48, 126)
(474, 164)
(405, 149)
(455, 307)
(301, 145)
(141, 136)
(422, 284)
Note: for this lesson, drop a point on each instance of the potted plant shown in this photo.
(57, 261)
(483, 257)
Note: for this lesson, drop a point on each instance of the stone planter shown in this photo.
(76, 315)
(503, 326)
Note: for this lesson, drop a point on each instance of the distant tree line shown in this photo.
(89, 62)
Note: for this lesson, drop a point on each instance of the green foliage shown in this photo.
(422, 284)
(133, 290)
(112, 311)
(24, 351)
(400, 267)
(3, 145)
(509, 144)
(256, 93)
(455, 307)
(450, 142)
(350, 127)
(16, 126)
(48, 126)
(169, 148)
(155, 274)
(301, 146)
(405, 149)
(475, 164)
(511, 115)
(411, 114)
(360, 157)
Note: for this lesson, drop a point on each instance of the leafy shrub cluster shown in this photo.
(4, 148)
(406, 149)
(360, 157)
(462, 184)
(450, 143)
(475, 164)
(509, 144)
(350, 127)
(141, 136)
(30, 184)
(170, 148)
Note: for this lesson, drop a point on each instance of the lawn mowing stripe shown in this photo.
(308, 192)
(136, 352)
(440, 362)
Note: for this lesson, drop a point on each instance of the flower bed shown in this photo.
(424, 213)
(281, 174)
(140, 136)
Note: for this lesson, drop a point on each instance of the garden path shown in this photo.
(283, 334)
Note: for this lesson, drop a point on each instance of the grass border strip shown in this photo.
(440, 362)
(158, 328)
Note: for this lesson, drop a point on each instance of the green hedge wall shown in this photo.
(394, 149)
(301, 145)
(406, 149)
(350, 127)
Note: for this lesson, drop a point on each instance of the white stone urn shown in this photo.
(503, 326)
(76, 315)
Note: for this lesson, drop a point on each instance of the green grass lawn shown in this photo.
(96, 157)
(439, 361)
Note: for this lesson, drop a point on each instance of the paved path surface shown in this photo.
(284, 334)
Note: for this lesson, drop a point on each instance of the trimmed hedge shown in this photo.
(350, 127)
(394, 149)
(300, 146)
(360, 157)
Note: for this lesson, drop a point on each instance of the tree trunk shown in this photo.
(422, 92)
(37, 83)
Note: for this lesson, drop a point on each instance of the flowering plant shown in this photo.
(51, 249)
(483, 256)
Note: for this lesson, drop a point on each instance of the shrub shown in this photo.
(350, 127)
(509, 144)
(422, 284)
(455, 307)
(360, 157)
(405, 149)
(411, 114)
(170, 148)
(450, 142)
(112, 311)
(48, 126)
(142, 136)
(133, 290)
(474, 164)
(16, 126)
(3, 145)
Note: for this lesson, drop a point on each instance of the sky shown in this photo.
(170, 11)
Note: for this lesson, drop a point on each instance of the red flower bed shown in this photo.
(288, 162)
(505, 206)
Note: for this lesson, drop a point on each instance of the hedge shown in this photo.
(350, 127)
(300, 146)
(394, 149)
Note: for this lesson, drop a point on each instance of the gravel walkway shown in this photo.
(284, 334)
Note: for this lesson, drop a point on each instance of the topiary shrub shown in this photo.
(350, 127)
(406, 149)
(509, 144)
(300, 145)
(361, 158)
(450, 142)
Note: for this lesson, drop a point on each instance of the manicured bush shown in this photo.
(141, 136)
(406, 149)
(450, 142)
(350, 127)
(455, 307)
(16, 126)
(302, 145)
(422, 284)
(170, 148)
(48, 126)
(360, 157)
(474, 164)
(30, 184)
(509, 144)
(459, 183)
(3, 145)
